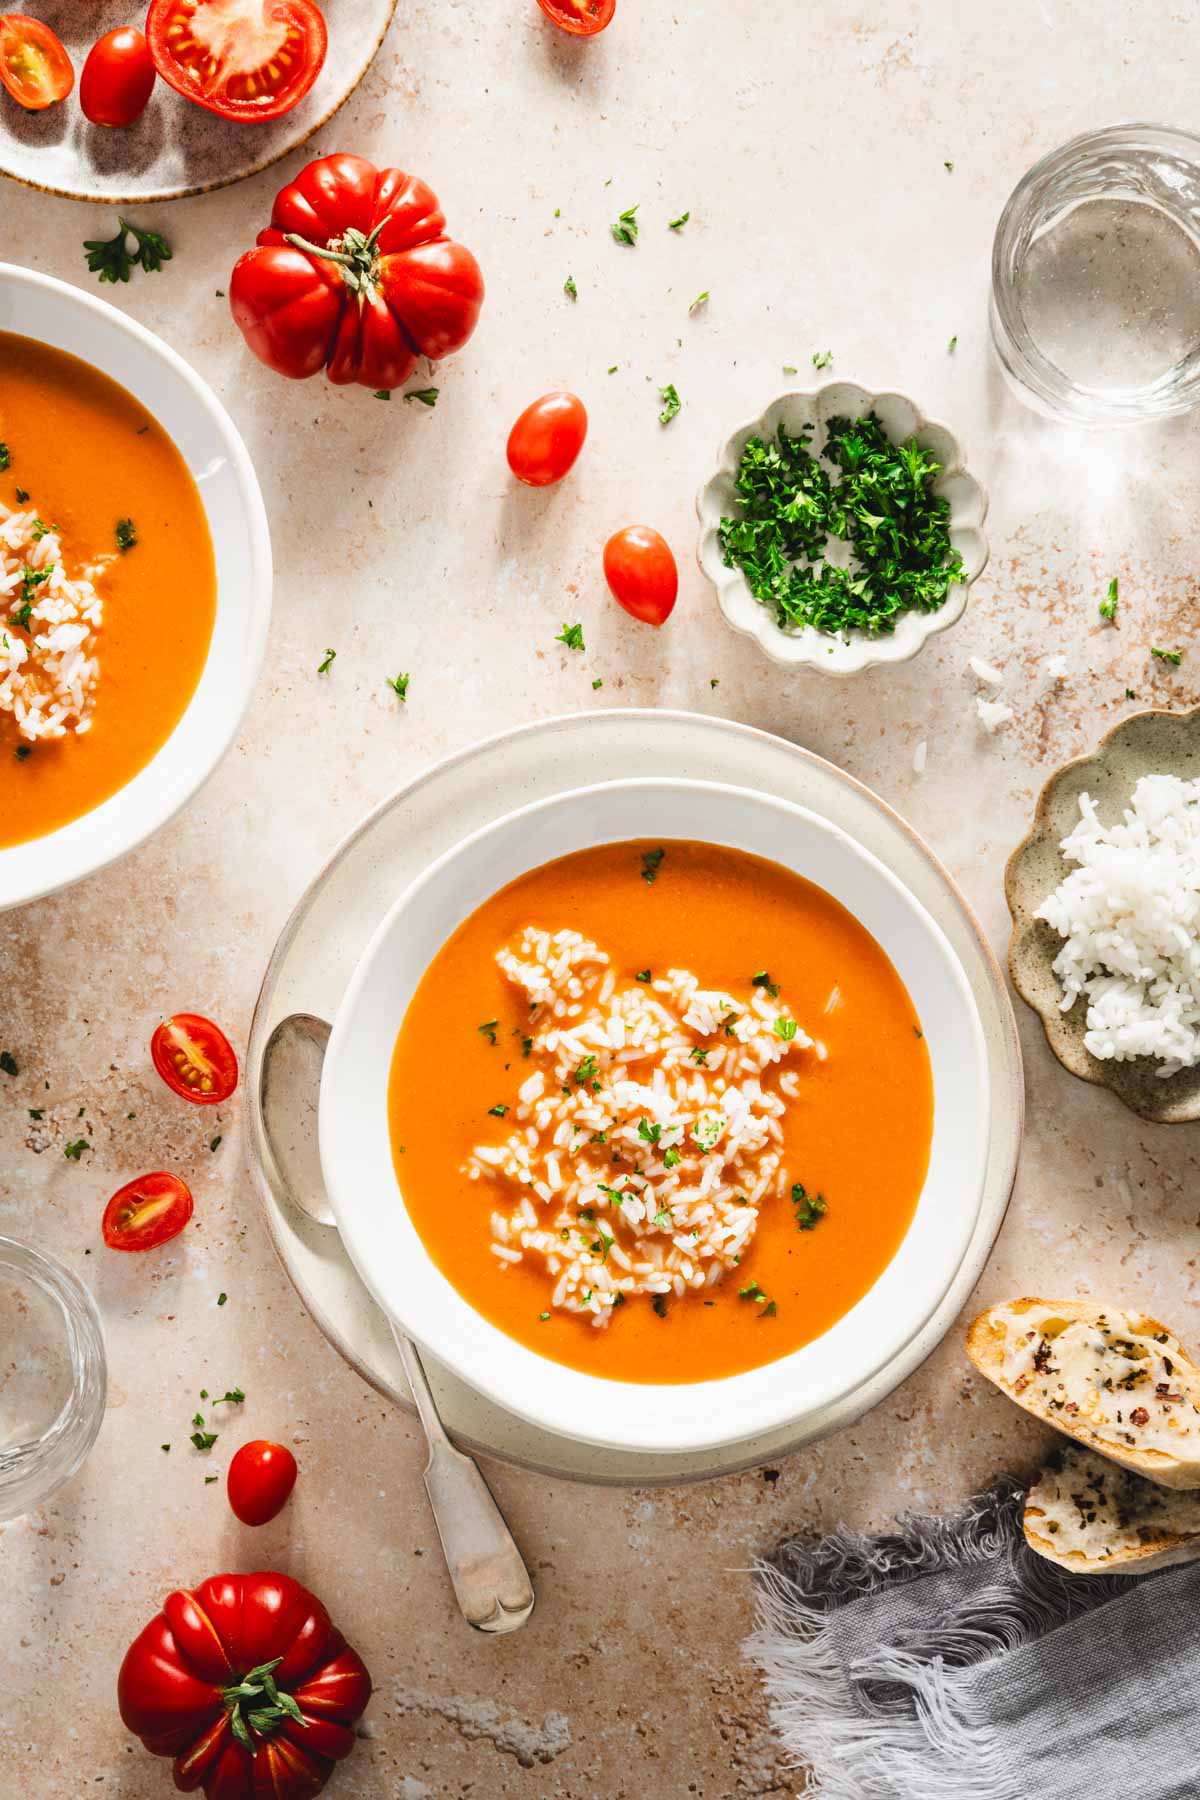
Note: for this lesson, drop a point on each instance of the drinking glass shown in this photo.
(53, 1376)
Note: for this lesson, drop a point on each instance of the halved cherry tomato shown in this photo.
(195, 1059)
(146, 1212)
(261, 1476)
(641, 573)
(546, 439)
(117, 78)
(34, 67)
(582, 18)
(242, 59)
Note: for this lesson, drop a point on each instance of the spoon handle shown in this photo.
(491, 1582)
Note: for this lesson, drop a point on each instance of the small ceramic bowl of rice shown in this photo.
(1105, 900)
(692, 1133)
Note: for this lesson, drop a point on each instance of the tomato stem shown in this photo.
(266, 1706)
(353, 252)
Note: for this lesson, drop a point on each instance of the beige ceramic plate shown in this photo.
(175, 148)
(332, 922)
(1147, 743)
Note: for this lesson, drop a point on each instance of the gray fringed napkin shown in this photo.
(945, 1661)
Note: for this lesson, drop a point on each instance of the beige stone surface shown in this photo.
(809, 144)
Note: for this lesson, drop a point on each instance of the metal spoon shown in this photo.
(491, 1582)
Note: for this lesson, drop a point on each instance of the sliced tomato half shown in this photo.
(243, 59)
(146, 1212)
(582, 18)
(195, 1059)
(34, 67)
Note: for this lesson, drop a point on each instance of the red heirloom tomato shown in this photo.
(195, 1059)
(146, 1212)
(242, 59)
(247, 1684)
(117, 78)
(355, 275)
(546, 439)
(34, 67)
(641, 573)
(582, 18)
(260, 1480)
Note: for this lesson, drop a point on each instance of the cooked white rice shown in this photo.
(1130, 913)
(631, 1165)
(49, 623)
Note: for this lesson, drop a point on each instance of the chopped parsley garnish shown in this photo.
(598, 683)
(126, 534)
(769, 1310)
(23, 752)
(763, 980)
(882, 505)
(8, 1063)
(648, 1133)
(614, 368)
(113, 260)
(751, 1291)
(672, 406)
(953, 344)
(671, 1159)
(586, 1071)
(572, 637)
(785, 1029)
(570, 289)
(5, 457)
(398, 685)
(204, 1440)
(659, 1303)
(664, 1218)
(215, 1143)
(700, 1056)
(22, 496)
(326, 663)
(383, 393)
(497, 1112)
(949, 167)
(235, 1396)
(642, 975)
(31, 580)
(543, 1317)
(488, 1030)
(426, 396)
(625, 230)
(1168, 656)
(209, 1479)
(1108, 606)
(651, 863)
(810, 1208)
(698, 302)
(221, 1299)
(790, 369)
(679, 223)
(35, 1112)
(1130, 694)
(822, 359)
(75, 1151)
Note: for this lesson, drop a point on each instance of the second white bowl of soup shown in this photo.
(658, 1112)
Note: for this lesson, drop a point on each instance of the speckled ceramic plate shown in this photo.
(800, 409)
(1148, 743)
(333, 921)
(175, 148)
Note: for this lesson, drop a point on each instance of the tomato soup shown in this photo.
(679, 1128)
(99, 472)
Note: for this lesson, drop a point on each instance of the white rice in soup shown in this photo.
(49, 625)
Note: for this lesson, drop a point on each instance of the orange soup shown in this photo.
(661, 1112)
(107, 503)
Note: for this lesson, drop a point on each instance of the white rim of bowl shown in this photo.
(109, 831)
(563, 1415)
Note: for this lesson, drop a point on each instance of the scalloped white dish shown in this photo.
(846, 654)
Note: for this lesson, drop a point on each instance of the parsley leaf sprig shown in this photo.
(113, 260)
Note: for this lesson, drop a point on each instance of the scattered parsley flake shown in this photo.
(953, 344)
(679, 223)
(810, 1208)
(234, 1396)
(648, 1133)
(324, 666)
(383, 393)
(614, 368)
(659, 1303)
(1108, 606)
(75, 1151)
(598, 683)
(5, 457)
(204, 1440)
(640, 975)
(426, 396)
(1129, 694)
(22, 496)
(497, 1112)
(769, 1310)
(822, 359)
(673, 403)
(572, 637)
(651, 863)
(698, 302)
(36, 1112)
(215, 1143)
(763, 980)
(714, 681)
(164, 1446)
(23, 752)
(671, 1159)
(948, 166)
(543, 1317)
(625, 230)
(221, 1299)
(488, 1030)
(126, 534)
(785, 1029)
(112, 259)
(8, 1063)
(700, 1056)
(1169, 656)
(209, 1479)
(570, 289)
(790, 369)
(398, 685)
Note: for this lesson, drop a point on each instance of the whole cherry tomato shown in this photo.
(195, 1059)
(355, 275)
(241, 59)
(260, 1480)
(146, 1212)
(34, 67)
(641, 573)
(248, 1685)
(117, 78)
(582, 18)
(546, 439)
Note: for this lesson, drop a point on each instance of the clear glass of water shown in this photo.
(1095, 311)
(53, 1376)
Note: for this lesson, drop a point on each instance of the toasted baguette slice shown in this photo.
(1111, 1378)
(1093, 1519)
